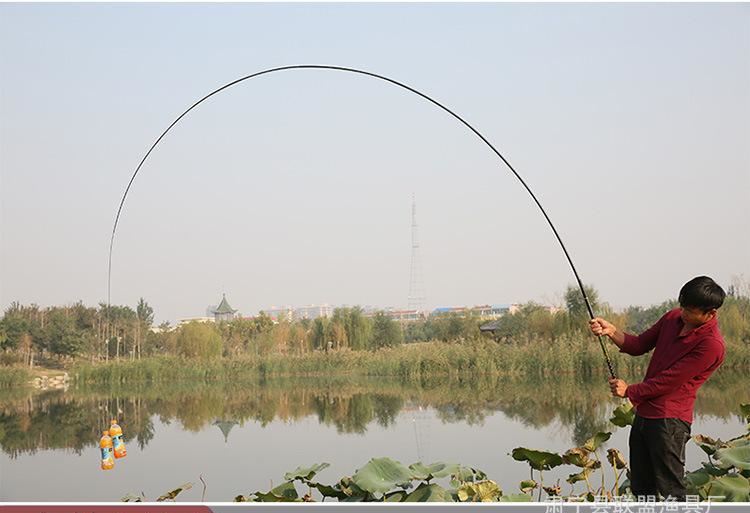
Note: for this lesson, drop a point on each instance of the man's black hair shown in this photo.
(702, 293)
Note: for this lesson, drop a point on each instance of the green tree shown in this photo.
(385, 332)
(198, 340)
(576, 306)
(61, 334)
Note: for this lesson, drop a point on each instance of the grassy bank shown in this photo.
(579, 356)
(11, 377)
(410, 362)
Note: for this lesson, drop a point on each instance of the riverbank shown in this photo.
(578, 356)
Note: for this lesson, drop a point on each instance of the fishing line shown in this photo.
(386, 79)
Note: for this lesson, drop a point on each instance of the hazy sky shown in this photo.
(630, 122)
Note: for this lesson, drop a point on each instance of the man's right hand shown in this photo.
(600, 327)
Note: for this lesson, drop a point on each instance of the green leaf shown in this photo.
(745, 411)
(481, 491)
(351, 490)
(329, 491)
(697, 479)
(285, 492)
(305, 474)
(714, 470)
(381, 475)
(578, 456)
(517, 497)
(463, 474)
(436, 470)
(596, 441)
(738, 457)
(708, 444)
(623, 415)
(528, 485)
(733, 488)
(538, 460)
(429, 493)
(581, 476)
(398, 496)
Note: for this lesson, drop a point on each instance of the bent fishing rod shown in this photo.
(379, 77)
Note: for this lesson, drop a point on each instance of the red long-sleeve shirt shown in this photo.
(679, 366)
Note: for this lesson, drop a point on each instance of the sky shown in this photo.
(630, 122)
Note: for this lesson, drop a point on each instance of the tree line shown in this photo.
(30, 334)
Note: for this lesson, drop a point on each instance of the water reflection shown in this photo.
(72, 420)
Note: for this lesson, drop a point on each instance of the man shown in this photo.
(688, 348)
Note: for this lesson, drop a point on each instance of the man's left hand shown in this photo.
(618, 387)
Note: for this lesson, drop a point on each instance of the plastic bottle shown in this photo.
(115, 431)
(105, 444)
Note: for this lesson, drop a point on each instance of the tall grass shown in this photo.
(569, 355)
(14, 376)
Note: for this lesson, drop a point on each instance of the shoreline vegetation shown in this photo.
(116, 344)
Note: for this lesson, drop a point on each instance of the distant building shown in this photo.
(405, 315)
(187, 320)
(482, 311)
(284, 313)
(289, 313)
(312, 312)
(224, 312)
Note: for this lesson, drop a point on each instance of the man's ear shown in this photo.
(712, 313)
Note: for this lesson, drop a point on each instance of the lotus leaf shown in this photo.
(714, 470)
(624, 487)
(733, 488)
(329, 491)
(463, 474)
(436, 470)
(552, 491)
(169, 496)
(429, 493)
(285, 492)
(241, 498)
(708, 444)
(528, 485)
(623, 415)
(697, 479)
(738, 456)
(516, 497)
(616, 459)
(577, 456)
(398, 496)
(581, 476)
(351, 490)
(596, 441)
(481, 491)
(538, 460)
(305, 474)
(381, 475)
(132, 498)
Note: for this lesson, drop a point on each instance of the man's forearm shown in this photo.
(618, 337)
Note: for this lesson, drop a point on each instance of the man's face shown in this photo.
(696, 316)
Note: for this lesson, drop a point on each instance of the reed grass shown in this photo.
(12, 376)
(568, 355)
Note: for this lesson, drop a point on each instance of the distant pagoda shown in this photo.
(224, 312)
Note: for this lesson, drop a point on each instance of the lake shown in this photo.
(242, 437)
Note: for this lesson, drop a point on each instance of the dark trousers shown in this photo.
(657, 457)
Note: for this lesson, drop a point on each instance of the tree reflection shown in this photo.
(72, 420)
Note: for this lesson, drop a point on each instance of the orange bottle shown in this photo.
(115, 431)
(105, 444)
